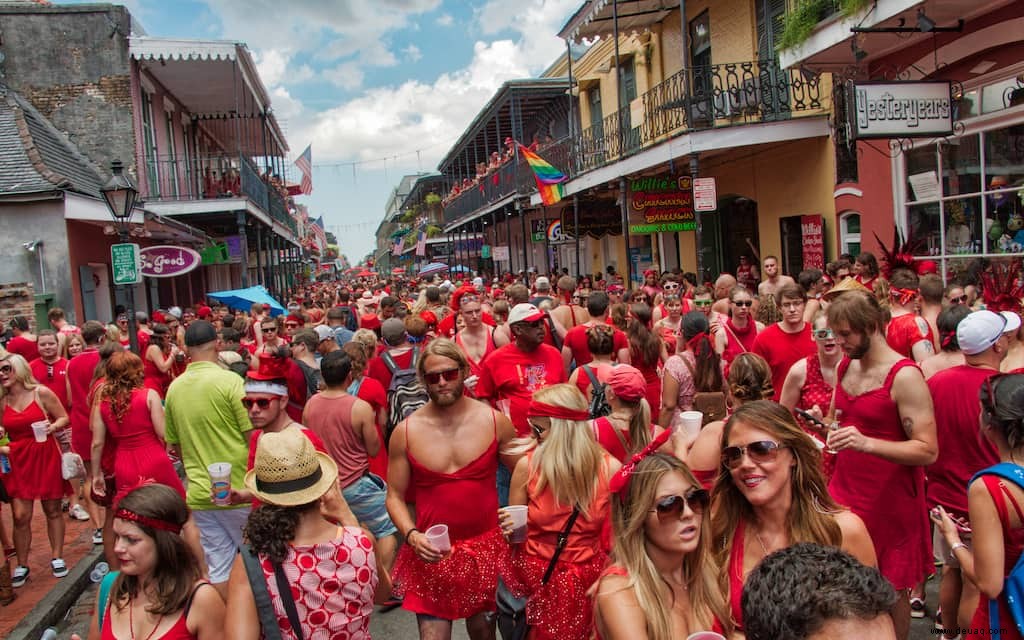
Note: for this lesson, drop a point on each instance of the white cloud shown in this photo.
(347, 75)
(412, 52)
(444, 20)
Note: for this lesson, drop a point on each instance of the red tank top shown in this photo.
(474, 365)
(177, 632)
(441, 498)
(738, 340)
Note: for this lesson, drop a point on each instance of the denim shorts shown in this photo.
(366, 497)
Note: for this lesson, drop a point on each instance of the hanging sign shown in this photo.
(500, 252)
(705, 194)
(900, 109)
(166, 261)
(538, 228)
(661, 203)
(812, 234)
(124, 260)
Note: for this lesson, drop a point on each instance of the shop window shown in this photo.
(849, 233)
(149, 146)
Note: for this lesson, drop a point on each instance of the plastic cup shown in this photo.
(691, 422)
(220, 480)
(437, 536)
(518, 514)
(705, 635)
(39, 430)
(99, 571)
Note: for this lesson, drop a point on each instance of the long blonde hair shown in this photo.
(629, 550)
(21, 370)
(569, 460)
(811, 516)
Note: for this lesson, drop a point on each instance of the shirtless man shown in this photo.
(723, 286)
(567, 314)
(452, 433)
(773, 279)
(931, 303)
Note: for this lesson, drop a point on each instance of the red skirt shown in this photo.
(461, 585)
(560, 609)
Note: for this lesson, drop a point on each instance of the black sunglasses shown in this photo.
(958, 300)
(671, 507)
(6, 369)
(262, 403)
(450, 375)
(537, 431)
(269, 329)
(758, 451)
(743, 303)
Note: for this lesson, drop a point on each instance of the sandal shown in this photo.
(59, 568)
(19, 576)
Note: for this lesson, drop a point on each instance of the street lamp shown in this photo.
(120, 195)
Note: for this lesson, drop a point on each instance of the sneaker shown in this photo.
(97, 536)
(59, 568)
(78, 513)
(916, 608)
(19, 576)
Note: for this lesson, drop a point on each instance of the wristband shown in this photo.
(410, 532)
(952, 550)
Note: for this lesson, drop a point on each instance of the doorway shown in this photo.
(736, 230)
(95, 281)
(792, 245)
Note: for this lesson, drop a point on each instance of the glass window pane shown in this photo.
(924, 222)
(1004, 224)
(1001, 95)
(961, 166)
(963, 225)
(852, 223)
(1004, 158)
(853, 248)
(967, 106)
(921, 168)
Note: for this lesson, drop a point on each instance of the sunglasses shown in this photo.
(702, 303)
(6, 370)
(262, 403)
(537, 430)
(671, 287)
(671, 507)
(743, 303)
(958, 300)
(269, 329)
(450, 375)
(823, 334)
(758, 452)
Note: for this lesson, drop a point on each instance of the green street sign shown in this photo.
(663, 227)
(125, 260)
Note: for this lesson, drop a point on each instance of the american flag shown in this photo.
(399, 246)
(421, 244)
(305, 165)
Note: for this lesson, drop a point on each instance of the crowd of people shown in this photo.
(546, 455)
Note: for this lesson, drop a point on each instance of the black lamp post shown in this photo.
(120, 195)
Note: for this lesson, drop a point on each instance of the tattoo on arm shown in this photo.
(908, 424)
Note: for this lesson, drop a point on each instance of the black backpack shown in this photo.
(406, 392)
(599, 406)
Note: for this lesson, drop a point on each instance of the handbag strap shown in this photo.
(260, 593)
(284, 590)
(563, 537)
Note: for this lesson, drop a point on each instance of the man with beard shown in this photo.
(448, 452)
(884, 435)
(788, 340)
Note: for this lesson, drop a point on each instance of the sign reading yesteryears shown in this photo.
(900, 109)
(661, 203)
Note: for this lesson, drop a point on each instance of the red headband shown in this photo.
(903, 295)
(694, 342)
(544, 410)
(619, 482)
(152, 523)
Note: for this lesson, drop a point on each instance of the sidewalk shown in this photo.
(41, 583)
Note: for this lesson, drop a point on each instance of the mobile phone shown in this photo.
(810, 418)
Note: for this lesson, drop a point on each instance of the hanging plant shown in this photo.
(432, 199)
(801, 20)
(433, 231)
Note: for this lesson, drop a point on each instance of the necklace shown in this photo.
(764, 547)
(131, 622)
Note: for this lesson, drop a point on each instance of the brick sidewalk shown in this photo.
(77, 543)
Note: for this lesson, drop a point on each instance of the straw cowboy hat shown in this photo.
(288, 471)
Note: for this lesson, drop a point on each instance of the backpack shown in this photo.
(1013, 588)
(406, 392)
(598, 403)
(711, 403)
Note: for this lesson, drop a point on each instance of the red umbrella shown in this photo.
(398, 270)
(365, 274)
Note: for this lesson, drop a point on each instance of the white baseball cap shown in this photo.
(980, 330)
(524, 312)
(1012, 321)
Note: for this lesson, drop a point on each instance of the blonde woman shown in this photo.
(563, 477)
(74, 344)
(663, 582)
(771, 493)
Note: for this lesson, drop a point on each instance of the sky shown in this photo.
(381, 88)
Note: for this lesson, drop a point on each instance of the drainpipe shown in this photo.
(624, 207)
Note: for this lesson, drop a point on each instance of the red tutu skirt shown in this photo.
(560, 609)
(461, 585)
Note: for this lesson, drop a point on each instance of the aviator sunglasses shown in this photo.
(672, 506)
(758, 451)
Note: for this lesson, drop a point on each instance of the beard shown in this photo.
(450, 395)
(858, 351)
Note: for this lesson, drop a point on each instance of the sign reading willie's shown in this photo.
(661, 203)
(900, 109)
(165, 261)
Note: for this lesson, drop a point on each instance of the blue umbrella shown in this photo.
(433, 267)
(242, 299)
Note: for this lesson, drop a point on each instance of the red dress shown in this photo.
(35, 466)
(653, 380)
(474, 365)
(1013, 543)
(370, 390)
(140, 454)
(155, 379)
(464, 583)
(738, 340)
(816, 392)
(559, 609)
(888, 497)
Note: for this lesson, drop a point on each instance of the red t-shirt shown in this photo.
(379, 371)
(79, 372)
(781, 350)
(369, 321)
(371, 391)
(512, 374)
(576, 340)
(905, 331)
(25, 348)
(962, 450)
(54, 377)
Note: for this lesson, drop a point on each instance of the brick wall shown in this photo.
(72, 63)
(17, 299)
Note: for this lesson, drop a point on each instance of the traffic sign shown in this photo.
(705, 197)
(126, 261)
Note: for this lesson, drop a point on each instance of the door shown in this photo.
(88, 285)
(702, 111)
(630, 134)
(792, 245)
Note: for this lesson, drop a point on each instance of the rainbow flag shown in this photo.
(549, 179)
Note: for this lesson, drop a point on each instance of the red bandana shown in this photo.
(544, 410)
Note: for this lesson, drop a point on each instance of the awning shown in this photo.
(594, 19)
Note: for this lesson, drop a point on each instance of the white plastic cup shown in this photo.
(705, 635)
(517, 512)
(437, 536)
(39, 430)
(220, 480)
(691, 422)
(99, 571)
